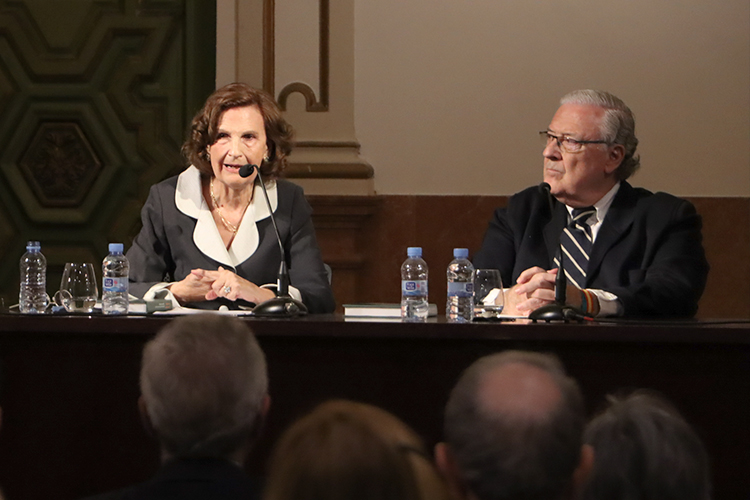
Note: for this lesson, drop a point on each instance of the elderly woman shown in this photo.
(207, 236)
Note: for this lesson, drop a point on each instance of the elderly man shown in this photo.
(514, 429)
(204, 395)
(626, 251)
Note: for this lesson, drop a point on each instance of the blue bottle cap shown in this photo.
(115, 248)
(460, 253)
(414, 252)
(33, 245)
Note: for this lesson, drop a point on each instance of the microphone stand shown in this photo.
(283, 305)
(559, 310)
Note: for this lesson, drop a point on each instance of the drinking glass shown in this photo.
(488, 293)
(78, 291)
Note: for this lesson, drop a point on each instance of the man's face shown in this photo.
(582, 178)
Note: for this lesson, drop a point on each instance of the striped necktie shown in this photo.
(576, 242)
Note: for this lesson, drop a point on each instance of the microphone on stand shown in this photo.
(559, 311)
(283, 305)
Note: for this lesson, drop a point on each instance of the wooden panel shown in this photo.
(440, 223)
(726, 238)
(339, 223)
(95, 96)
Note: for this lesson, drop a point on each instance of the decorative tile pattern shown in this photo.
(95, 96)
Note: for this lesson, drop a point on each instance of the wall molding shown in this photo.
(312, 103)
(329, 171)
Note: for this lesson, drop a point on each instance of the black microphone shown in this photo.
(283, 305)
(558, 311)
(247, 170)
(561, 282)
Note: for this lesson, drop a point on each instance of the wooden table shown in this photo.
(70, 385)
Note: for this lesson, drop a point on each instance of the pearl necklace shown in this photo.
(230, 227)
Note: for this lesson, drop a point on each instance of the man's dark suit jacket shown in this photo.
(191, 479)
(648, 250)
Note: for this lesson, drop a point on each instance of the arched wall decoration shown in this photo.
(312, 104)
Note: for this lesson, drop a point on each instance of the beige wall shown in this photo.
(449, 95)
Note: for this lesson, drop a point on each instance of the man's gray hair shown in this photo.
(504, 454)
(204, 382)
(645, 449)
(618, 125)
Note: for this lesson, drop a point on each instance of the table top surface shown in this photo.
(730, 331)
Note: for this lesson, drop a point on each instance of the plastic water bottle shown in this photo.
(115, 270)
(414, 301)
(32, 297)
(460, 305)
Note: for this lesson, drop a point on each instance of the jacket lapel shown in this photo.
(552, 231)
(617, 222)
(189, 200)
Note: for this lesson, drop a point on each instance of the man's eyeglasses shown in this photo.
(566, 143)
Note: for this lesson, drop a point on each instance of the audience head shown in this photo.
(351, 451)
(513, 427)
(645, 451)
(204, 387)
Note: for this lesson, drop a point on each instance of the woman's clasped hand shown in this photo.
(201, 284)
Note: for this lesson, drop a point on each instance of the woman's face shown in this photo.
(240, 139)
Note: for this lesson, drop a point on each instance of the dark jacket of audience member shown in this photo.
(645, 450)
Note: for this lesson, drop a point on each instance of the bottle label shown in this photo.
(414, 288)
(460, 289)
(116, 285)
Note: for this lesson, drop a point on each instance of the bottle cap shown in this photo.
(33, 245)
(460, 253)
(414, 252)
(115, 248)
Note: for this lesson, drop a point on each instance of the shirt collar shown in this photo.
(189, 200)
(601, 206)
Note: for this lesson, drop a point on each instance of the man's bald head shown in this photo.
(514, 422)
(519, 390)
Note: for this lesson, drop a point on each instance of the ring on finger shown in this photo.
(227, 289)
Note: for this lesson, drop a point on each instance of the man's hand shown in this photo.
(534, 288)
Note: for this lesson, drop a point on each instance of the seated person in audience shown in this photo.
(627, 251)
(207, 236)
(204, 395)
(514, 429)
(351, 451)
(645, 450)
